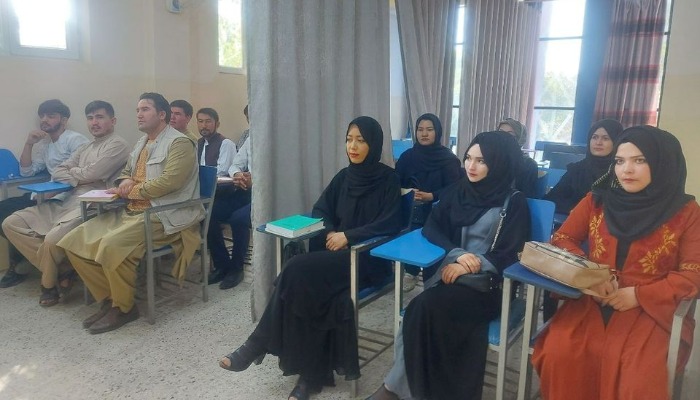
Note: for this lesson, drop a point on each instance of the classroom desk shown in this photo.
(534, 284)
(6, 183)
(45, 187)
(279, 241)
(411, 248)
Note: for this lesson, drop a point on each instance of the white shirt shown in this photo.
(241, 163)
(227, 152)
(54, 153)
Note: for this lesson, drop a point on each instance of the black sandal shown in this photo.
(49, 297)
(68, 277)
(241, 359)
(303, 390)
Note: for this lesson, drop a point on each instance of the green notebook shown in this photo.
(294, 226)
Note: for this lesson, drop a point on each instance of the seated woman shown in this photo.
(526, 177)
(640, 221)
(426, 168)
(440, 351)
(579, 176)
(309, 322)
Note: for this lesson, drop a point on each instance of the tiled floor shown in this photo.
(47, 355)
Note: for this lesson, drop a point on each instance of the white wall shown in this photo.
(128, 47)
(678, 114)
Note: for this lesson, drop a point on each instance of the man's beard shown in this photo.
(51, 129)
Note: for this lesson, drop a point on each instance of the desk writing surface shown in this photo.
(412, 248)
(45, 187)
(518, 272)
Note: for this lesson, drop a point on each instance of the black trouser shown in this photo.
(231, 207)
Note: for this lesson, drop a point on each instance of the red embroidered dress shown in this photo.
(578, 357)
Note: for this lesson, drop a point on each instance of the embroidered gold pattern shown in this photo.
(693, 267)
(651, 258)
(596, 248)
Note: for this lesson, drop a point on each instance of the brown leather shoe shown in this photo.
(106, 305)
(114, 319)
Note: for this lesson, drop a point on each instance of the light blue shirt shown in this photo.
(54, 153)
(241, 163)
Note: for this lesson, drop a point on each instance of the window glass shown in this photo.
(557, 87)
(230, 34)
(42, 23)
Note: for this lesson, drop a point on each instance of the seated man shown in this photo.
(232, 206)
(34, 231)
(180, 116)
(59, 144)
(213, 149)
(246, 133)
(105, 251)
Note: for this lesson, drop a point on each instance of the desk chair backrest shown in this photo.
(9, 166)
(207, 181)
(541, 219)
(554, 176)
(399, 146)
(207, 189)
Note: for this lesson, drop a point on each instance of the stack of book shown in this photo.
(98, 195)
(294, 226)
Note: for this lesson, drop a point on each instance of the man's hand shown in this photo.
(125, 187)
(243, 180)
(336, 241)
(35, 137)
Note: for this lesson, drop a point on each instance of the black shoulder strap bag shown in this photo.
(487, 281)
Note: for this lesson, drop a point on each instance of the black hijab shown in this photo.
(631, 216)
(599, 164)
(502, 155)
(588, 170)
(419, 161)
(519, 130)
(368, 175)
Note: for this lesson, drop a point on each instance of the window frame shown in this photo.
(538, 83)
(11, 39)
(226, 69)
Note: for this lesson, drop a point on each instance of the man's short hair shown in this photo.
(159, 103)
(54, 106)
(186, 106)
(98, 105)
(210, 112)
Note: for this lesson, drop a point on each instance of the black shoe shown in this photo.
(231, 280)
(12, 278)
(217, 276)
(245, 355)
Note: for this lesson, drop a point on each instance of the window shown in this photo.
(662, 62)
(43, 28)
(459, 45)
(231, 36)
(561, 30)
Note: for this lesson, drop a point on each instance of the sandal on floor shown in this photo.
(303, 390)
(241, 359)
(67, 278)
(49, 297)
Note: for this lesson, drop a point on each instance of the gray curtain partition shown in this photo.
(498, 66)
(427, 34)
(313, 66)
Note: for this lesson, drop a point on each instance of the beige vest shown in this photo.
(173, 220)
